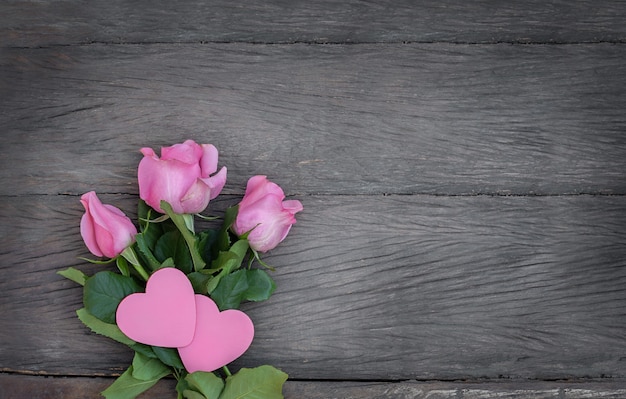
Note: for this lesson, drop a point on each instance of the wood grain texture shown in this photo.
(369, 287)
(360, 119)
(39, 387)
(42, 23)
(464, 231)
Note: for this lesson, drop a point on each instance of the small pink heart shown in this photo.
(165, 315)
(220, 337)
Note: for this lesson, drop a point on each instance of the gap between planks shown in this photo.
(17, 386)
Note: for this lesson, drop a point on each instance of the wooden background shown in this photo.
(462, 167)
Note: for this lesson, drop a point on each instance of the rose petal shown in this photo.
(148, 152)
(165, 180)
(293, 206)
(188, 152)
(196, 199)
(87, 231)
(217, 182)
(105, 229)
(208, 162)
(260, 212)
(258, 187)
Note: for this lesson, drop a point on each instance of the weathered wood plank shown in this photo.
(361, 119)
(28, 23)
(369, 287)
(39, 387)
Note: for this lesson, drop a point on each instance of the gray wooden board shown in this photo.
(39, 387)
(323, 119)
(369, 287)
(28, 23)
(437, 285)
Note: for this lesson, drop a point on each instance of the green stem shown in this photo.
(258, 258)
(226, 371)
(181, 223)
(189, 222)
(130, 255)
(180, 376)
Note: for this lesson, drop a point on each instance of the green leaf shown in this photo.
(208, 384)
(168, 356)
(144, 349)
(181, 387)
(104, 291)
(112, 331)
(260, 285)
(152, 228)
(122, 265)
(240, 248)
(144, 210)
(99, 327)
(199, 282)
(231, 290)
(226, 262)
(146, 252)
(251, 285)
(151, 234)
(223, 239)
(130, 255)
(173, 245)
(128, 387)
(189, 236)
(147, 368)
(264, 382)
(207, 245)
(74, 274)
(189, 394)
(230, 216)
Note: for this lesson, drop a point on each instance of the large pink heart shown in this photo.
(165, 315)
(220, 338)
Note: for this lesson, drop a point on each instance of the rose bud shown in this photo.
(105, 229)
(264, 214)
(181, 177)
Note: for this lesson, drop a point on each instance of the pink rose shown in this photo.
(182, 177)
(105, 229)
(263, 212)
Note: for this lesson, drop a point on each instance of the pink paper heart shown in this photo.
(220, 337)
(165, 315)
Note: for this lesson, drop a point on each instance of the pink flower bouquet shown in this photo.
(176, 296)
